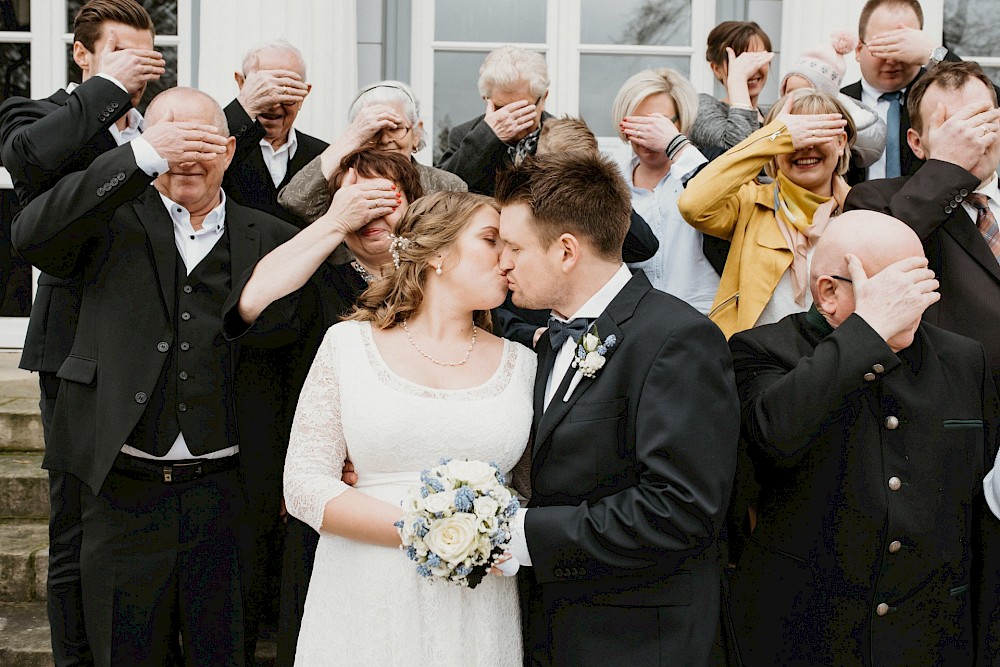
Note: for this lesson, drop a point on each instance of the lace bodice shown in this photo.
(354, 406)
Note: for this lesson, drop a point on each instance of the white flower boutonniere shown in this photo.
(590, 352)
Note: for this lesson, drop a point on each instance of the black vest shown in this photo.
(193, 394)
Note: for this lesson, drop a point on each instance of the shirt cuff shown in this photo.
(147, 159)
(112, 80)
(518, 546)
(687, 162)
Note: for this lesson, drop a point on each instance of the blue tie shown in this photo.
(560, 332)
(892, 134)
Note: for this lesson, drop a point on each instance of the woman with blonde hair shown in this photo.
(414, 376)
(653, 110)
(805, 147)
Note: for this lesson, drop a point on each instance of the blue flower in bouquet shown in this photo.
(411, 553)
(464, 497)
(424, 492)
(424, 571)
(511, 508)
(420, 527)
(433, 560)
(463, 570)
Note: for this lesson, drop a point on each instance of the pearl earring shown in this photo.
(438, 270)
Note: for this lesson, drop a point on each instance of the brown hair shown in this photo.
(736, 35)
(576, 193)
(560, 135)
(374, 163)
(812, 101)
(90, 20)
(872, 5)
(429, 226)
(949, 76)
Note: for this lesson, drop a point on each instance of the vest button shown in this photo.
(182, 407)
(185, 346)
(878, 368)
(895, 546)
(188, 289)
(882, 609)
(869, 377)
(163, 346)
(183, 375)
(140, 397)
(895, 484)
(185, 316)
(891, 423)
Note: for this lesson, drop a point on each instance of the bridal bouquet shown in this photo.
(457, 522)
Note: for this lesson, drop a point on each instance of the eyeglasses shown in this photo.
(500, 106)
(846, 280)
(393, 134)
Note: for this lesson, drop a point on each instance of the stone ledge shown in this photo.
(24, 486)
(20, 545)
(24, 635)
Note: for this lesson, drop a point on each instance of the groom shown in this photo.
(633, 460)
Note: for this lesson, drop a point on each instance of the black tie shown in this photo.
(560, 332)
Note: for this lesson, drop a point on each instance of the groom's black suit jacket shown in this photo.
(630, 482)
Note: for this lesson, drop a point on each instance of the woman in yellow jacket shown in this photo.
(804, 146)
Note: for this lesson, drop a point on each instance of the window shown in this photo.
(591, 47)
(972, 30)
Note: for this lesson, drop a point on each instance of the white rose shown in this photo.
(502, 496)
(594, 361)
(453, 539)
(476, 474)
(590, 342)
(443, 502)
(485, 507)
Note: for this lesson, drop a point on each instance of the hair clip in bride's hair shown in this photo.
(398, 243)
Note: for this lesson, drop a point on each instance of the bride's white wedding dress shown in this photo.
(366, 604)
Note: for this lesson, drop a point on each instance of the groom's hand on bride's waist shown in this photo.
(347, 474)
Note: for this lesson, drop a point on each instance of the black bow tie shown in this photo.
(560, 332)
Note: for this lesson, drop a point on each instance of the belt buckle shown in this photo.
(181, 472)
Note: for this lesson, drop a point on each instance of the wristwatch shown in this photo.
(937, 55)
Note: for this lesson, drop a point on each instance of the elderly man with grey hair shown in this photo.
(147, 410)
(871, 432)
(270, 151)
(514, 82)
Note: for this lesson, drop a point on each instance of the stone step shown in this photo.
(20, 424)
(24, 635)
(24, 558)
(24, 486)
(25, 641)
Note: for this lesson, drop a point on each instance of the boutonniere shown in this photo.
(591, 352)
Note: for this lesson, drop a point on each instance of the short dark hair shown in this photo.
(90, 20)
(950, 76)
(872, 5)
(577, 192)
(374, 163)
(736, 35)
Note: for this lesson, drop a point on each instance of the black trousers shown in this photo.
(296, 571)
(65, 600)
(162, 560)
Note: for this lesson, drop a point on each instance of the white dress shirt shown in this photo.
(870, 97)
(193, 246)
(992, 191)
(592, 309)
(277, 160)
(679, 266)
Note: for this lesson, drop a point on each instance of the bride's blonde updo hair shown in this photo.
(429, 227)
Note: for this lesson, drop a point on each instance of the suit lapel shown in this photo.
(159, 228)
(244, 240)
(618, 311)
(546, 358)
(963, 229)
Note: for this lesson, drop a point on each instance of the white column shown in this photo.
(806, 23)
(326, 32)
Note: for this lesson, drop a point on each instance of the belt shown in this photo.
(171, 472)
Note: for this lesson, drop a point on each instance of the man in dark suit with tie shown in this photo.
(42, 141)
(952, 201)
(634, 438)
(892, 51)
(146, 403)
(272, 89)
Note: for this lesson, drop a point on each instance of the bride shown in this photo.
(414, 376)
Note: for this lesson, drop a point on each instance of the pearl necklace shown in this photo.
(468, 352)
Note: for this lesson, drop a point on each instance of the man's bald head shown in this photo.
(182, 103)
(878, 240)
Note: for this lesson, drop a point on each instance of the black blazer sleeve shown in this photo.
(40, 138)
(56, 229)
(924, 201)
(248, 132)
(685, 447)
(783, 407)
(474, 153)
(640, 242)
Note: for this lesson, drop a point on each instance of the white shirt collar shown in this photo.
(992, 190)
(290, 145)
(870, 94)
(599, 302)
(215, 221)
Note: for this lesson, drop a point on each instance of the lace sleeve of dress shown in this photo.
(317, 448)
(307, 194)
